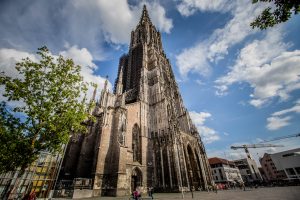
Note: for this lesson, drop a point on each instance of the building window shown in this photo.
(290, 171)
(297, 170)
(289, 154)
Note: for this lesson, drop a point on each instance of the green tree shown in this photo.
(49, 109)
(271, 16)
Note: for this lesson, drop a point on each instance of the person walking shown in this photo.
(136, 194)
(150, 192)
(243, 186)
(215, 188)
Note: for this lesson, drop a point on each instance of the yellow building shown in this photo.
(40, 177)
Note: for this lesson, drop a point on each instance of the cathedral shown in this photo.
(142, 135)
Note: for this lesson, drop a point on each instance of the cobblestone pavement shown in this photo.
(267, 193)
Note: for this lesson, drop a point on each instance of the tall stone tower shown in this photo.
(143, 135)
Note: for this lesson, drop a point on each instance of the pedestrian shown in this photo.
(215, 188)
(150, 192)
(136, 194)
(244, 187)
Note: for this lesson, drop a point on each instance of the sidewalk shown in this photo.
(267, 193)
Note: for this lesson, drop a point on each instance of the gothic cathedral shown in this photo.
(143, 135)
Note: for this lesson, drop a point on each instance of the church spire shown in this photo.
(145, 16)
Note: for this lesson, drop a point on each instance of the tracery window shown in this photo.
(136, 144)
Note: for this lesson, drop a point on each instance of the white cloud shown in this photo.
(84, 58)
(295, 109)
(279, 119)
(91, 24)
(275, 123)
(117, 29)
(189, 7)
(81, 57)
(9, 57)
(208, 135)
(197, 59)
(193, 60)
(158, 16)
(199, 82)
(226, 134)
(268, 68)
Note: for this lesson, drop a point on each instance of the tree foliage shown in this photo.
(49, 109)
(271, 16)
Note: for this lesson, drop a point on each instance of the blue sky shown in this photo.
(241, 85)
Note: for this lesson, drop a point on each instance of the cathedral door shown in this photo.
(136, 178)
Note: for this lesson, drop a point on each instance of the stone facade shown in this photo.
(143, 135)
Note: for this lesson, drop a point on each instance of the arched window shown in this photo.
(136, 144)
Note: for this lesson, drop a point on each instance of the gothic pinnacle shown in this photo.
(145, 15)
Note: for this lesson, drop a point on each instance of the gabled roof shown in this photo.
(216, 160)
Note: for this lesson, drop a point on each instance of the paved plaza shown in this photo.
(267, 193)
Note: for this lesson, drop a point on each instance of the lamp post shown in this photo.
(191, 183)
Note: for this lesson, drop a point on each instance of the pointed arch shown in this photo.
(136, 178)
(193, 167)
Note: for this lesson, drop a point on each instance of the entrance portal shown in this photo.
(136, 178)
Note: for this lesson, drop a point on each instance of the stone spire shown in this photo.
(104, 91)
(105, 83)
(145, 16)
(119, 88)
(94, 93)
(92, 100)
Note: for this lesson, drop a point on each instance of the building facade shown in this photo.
(289, 163)
(271, 174)
(143, 135)
(249, 170)
(39, 177)
(225, 172)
